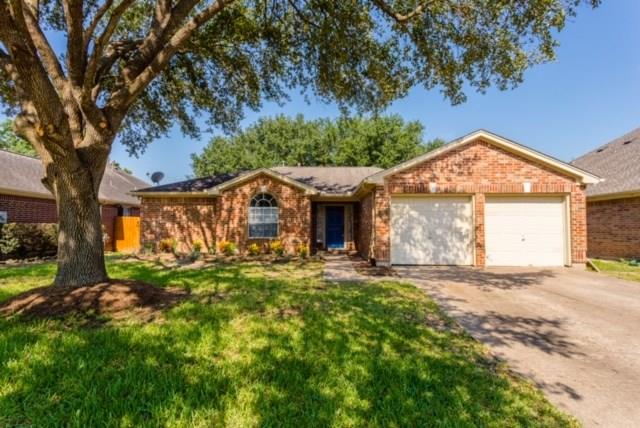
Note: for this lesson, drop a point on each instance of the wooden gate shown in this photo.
(127, 234)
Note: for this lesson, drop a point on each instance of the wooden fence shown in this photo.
(126, 234)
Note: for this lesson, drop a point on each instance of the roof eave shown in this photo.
(198, 194)
(616, 195)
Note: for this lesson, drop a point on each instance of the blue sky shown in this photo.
(588, 96)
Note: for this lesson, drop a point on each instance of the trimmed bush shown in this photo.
(302, 251)
(227, 248)
(25, 240)
(167, 245)
(277, 248)
(253, 249)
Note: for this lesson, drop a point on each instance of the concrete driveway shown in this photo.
(576, 334)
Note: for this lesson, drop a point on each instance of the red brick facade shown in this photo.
(479, 169)
(23, 209)
(614, 228)
(225, 217)
(476, 169)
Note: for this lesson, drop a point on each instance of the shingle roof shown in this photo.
(194, 185)
(23, 174)
(335, 180)
(329, 179)
(618, 162)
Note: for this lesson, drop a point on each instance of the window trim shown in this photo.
(277, 205)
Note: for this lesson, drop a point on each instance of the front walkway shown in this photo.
(339, 268)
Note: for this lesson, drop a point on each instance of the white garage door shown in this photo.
(431, 231)
(525, 231)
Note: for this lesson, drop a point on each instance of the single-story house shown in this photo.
(24, 199)
(613, 205)
(479, 200)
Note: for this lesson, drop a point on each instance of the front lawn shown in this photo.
(619, 269)
(257, 346)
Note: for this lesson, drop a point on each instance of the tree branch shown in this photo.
(88, 34)
(49, 58)
(74, 17)
(91, 75)
(399, 17)
(124, 97)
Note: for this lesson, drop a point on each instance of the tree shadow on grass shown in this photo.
(253, 350)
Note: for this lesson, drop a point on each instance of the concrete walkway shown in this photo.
(573, 333)
(339, 268)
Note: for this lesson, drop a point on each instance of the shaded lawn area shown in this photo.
(619, 269)
(257, 346)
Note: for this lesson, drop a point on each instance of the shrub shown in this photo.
(303, 251)
(23, 240)
(197, 246)
(147, 248)
(253, 249)
(277, 247)
(167, 245)
(227, 248)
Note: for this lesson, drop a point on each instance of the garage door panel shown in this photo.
(525, 231)
(431, 230)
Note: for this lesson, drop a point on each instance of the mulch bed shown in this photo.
(116, 298)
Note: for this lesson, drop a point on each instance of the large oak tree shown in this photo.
(77, 74)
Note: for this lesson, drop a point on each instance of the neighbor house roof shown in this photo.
(21, 175)
(320, 179)
(496, 140)
(618, 163)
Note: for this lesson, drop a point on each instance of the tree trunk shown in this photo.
(80, 242)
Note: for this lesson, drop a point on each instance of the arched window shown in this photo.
(263, 216)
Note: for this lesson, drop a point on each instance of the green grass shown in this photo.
(619, 269)
(258, 346)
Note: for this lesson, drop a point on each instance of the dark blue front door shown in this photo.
(335, 227)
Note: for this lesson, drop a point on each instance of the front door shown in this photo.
(335, 227)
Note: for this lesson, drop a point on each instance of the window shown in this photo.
(263, 216)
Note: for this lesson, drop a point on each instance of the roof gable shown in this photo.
(508, 145)
(242, 178)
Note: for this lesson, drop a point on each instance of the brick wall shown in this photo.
(183, 219)
(478, 169)
(226, 217)
(614, 228)
(22, 209)
(365, 227)
(294, 226)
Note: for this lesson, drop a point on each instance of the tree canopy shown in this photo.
(11, 142)
(380, 141)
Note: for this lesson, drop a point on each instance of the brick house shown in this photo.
(24, 199)
(613, 205)
(479, 200)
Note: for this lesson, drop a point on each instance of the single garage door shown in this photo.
(525, 231)
(431, 231)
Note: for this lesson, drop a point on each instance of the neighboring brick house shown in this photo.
(24, 199)
(613, 206)
(479, 200)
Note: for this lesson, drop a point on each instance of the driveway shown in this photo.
(576, 334)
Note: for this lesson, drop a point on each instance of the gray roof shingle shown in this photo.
(617, 162)
(328, 179)
(336, 179)
(23, 174)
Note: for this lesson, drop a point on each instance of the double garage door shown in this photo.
(519, 231)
